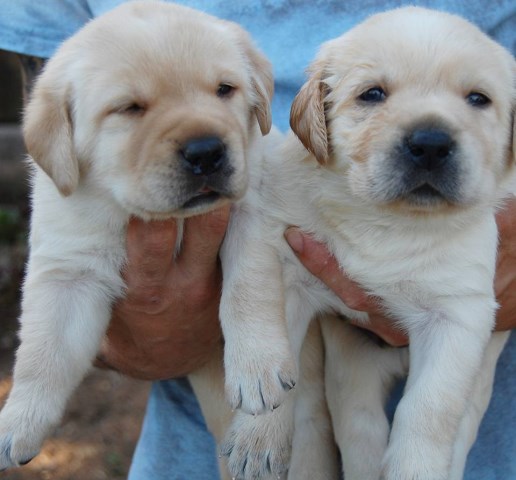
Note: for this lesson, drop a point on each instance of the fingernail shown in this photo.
(295, 239)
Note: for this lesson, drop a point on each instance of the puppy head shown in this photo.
(414, 108)
(155, 105)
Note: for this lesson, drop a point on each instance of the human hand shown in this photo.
(167, 324)
(505, 281)
(316, 258)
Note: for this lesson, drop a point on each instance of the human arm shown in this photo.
(167, 324)
(505, 280)
(316, 258)
(148, 342)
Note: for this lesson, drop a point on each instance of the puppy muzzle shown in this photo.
(207, 171)
(423, 170)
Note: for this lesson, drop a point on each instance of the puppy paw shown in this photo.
(19, 441)
(15, 451)
(259, 447)
(258, 383)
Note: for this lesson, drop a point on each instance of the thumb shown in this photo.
(317, 259)
(203, 236)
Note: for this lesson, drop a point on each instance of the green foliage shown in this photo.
(12, 227)
(115, 463)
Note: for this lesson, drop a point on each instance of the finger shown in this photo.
(505, 279)
(318, 261)
(203, 236)
(150, 250)
(506, 218)
(316, 258)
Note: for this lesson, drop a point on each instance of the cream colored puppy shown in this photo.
(152, 110)
(408, 122)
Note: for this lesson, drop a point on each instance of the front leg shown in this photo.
(477, 406)
(314, 452)
(446, 350)
(259, 364)
(62, 325)
(259, 446)
(359, 376)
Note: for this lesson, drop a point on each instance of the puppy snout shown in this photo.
(204, 156)
(429, 148)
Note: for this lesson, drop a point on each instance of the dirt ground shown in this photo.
(98, 434)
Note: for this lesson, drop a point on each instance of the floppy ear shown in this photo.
(307, 118)
(48, 131)
(263, 85)
(261, 78)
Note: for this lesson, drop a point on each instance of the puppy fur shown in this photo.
(114, 128)
(408, 120)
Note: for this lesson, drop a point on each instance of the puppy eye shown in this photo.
(477, 99)
(225, 90)
(132, 109)
(373, 95)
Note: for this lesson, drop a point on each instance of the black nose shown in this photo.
(203, 156)
(429, 148)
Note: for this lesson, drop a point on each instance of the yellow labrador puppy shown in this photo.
(152, 110)
(405, 130)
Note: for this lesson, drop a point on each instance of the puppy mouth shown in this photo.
(426, 192)
(204, 197)
(430, 196)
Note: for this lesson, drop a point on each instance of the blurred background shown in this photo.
(99, 432)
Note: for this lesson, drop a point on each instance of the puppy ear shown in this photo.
(307, 118)
(48, 131)
(263, 85)
(261, 78)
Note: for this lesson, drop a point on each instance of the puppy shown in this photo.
(405, 140)
(151, 110)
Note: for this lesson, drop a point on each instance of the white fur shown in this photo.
(95, 165)
(432, 267)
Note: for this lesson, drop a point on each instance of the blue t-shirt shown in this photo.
(289, 32)
(174, 444)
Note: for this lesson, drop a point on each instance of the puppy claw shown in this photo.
(287, 385)
(225, 450)
(18, 443)
(258, 389)
(256, 381)
(259, 447)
